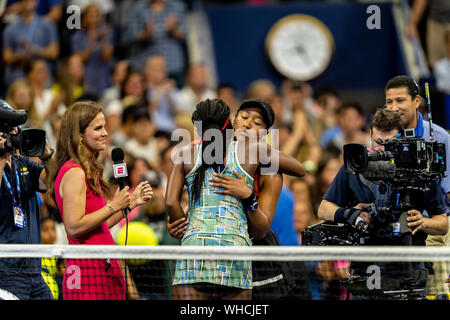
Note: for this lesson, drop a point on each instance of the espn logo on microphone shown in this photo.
(120, 170)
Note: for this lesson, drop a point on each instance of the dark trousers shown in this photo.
(25, 286)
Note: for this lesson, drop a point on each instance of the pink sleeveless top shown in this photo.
(90, 279)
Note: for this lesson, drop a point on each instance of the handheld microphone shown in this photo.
(120, 172)
(119, 169)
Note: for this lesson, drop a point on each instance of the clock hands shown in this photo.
(300, 49)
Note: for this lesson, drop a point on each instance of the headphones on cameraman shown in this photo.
(416, 89)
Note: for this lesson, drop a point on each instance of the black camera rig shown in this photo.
(410, 165)
(327, 233)
(30, 142)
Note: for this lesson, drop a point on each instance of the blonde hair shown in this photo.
(31, 112)
(261, 89)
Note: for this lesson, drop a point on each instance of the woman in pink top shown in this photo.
(84, 201)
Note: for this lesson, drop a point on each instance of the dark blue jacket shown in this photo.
(29, 172)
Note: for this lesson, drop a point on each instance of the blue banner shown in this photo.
(363, 58)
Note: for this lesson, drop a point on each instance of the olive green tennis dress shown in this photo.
(216, 220)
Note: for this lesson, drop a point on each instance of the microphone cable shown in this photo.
(126, 266)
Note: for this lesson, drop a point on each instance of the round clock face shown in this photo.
(300, 47)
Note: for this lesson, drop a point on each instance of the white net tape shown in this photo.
(260, 253)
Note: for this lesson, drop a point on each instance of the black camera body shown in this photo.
(327, 233)
(30, 142)
(409, 164)
(407, 161)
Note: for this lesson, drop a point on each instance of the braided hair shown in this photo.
(209, 114)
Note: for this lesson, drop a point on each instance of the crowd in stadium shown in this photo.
(147, 89)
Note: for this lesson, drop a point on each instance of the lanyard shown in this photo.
(8, 185)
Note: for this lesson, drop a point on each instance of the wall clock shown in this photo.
(300, 46)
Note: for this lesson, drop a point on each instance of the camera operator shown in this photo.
(350, 193)
(20, 179)
(403, 96)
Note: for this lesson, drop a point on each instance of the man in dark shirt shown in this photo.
(20, 179)
(350, 193)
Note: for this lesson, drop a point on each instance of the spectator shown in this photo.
(154, 214)
(137, 169)
(227, 93)
(301, 191)
(304, 216)
(120, 21)
(442, 68)
(327, 101)
(11, 12)
(159, 27)
(301, 142)
(350, 123)
(50, 271)
(437, 24)
(196, 89)
(106, 6)
(45, 101)
(293, 99)
(94, 43)
(50, 10)
(162, 94)
(71, 84)
(54, 125)
(20, 97)
(29, 37)
(330, 272)
(282, 223)
(327, 169)
(120, 71)
(261, 89)
(166, 163)
(143, 142)
(132, 93)
(124, 132)
(277, 106)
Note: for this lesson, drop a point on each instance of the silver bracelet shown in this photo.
(111, 208)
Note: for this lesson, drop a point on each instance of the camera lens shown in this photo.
(355, 157)
(28, 144)
(32, 142)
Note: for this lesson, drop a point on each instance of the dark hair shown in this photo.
(131, 72)
(128, 112)
(386, 121)
(404, 82)
(139, 113)
(320, 186)
(296, 85)
(29, 65)
(350, 105)
(325, 91)
(208, 114)
(264, 107)
(88, 95)
(131, 165)
(225, 85)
